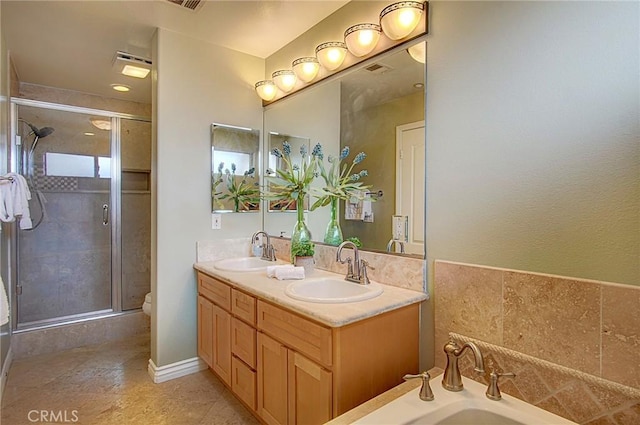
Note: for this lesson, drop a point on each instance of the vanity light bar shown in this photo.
(397, 21)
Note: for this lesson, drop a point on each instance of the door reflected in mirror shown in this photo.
(235, 184)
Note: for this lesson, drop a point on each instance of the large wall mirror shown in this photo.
(376, 108)
(235, 158)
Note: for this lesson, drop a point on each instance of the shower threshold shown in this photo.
(67, 320)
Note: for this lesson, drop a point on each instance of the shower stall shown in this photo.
(87, 253)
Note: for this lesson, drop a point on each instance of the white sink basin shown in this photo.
(332, 290)
(244, 264)
(467, 407)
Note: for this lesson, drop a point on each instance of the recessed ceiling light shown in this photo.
(120, 87)
(88, 133)
(101, 123)
(135, 71)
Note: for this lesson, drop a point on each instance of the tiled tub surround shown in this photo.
(393, 270)
(573, 343)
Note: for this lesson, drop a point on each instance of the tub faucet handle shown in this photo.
(493, 391)
(425, 390)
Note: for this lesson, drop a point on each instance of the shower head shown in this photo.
(44, 132)
(40, 133)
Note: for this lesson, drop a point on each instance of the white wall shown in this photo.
(196, 84)
(533, 146)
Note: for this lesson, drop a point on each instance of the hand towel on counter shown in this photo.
(4, 304)
(271, 270)
(290, 273)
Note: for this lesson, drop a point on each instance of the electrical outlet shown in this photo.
(399, 227)
(216, 221)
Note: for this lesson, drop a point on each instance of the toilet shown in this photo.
(146, 307)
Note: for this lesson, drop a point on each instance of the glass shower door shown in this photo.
(135, 154)
(64, 262)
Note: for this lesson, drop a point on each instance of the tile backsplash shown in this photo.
(400, 271)
(573, 343)
(393, 270)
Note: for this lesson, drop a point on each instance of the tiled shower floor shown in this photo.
(109, 384)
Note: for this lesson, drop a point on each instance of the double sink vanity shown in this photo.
(303, 351)
(323, 349)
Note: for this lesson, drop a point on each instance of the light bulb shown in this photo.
(331, 54)
(306, 68)
(398, 20)
(285, 79)
(266, 89)
(361, 39)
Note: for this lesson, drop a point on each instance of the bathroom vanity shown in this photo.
(292, 361)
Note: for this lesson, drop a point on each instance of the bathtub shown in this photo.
(467, 407)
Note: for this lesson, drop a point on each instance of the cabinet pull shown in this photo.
(105, 214)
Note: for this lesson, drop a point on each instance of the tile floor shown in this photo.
(109, 384)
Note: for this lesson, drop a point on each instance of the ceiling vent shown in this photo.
(194, 5)
(131, 59)
(377, 68)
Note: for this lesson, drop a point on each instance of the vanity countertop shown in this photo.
(333, 315)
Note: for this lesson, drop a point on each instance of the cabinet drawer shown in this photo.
(243, 306)
(214, 290)
(243, 383)
(305, 336)
(243, 342)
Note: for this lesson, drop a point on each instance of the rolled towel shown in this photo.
(271, 270)
(290, 273)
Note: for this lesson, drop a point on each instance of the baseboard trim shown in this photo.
(5, 371)
(175, 370)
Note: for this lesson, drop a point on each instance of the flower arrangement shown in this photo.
(244, 194)
(340, 180)
(291, 182)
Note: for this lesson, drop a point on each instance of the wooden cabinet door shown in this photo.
(309, 391)
(222, 344)
(272, 381)
(205, 330)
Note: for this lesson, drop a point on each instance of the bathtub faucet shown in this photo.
(452, 379)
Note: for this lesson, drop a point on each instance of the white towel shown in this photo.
(6, 201)
(21, 196)
(271, 270)
(4, 304)
(290, 273)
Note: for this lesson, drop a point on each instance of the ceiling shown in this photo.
(71, 44)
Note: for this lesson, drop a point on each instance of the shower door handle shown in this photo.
(105, 215)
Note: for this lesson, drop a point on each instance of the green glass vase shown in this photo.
(301, 232)
(333, 234)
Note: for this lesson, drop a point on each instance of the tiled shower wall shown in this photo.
(573, 343)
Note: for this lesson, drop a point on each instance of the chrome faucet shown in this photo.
(356, 268)
(396, 242)
(452, 379)
(268, 252)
